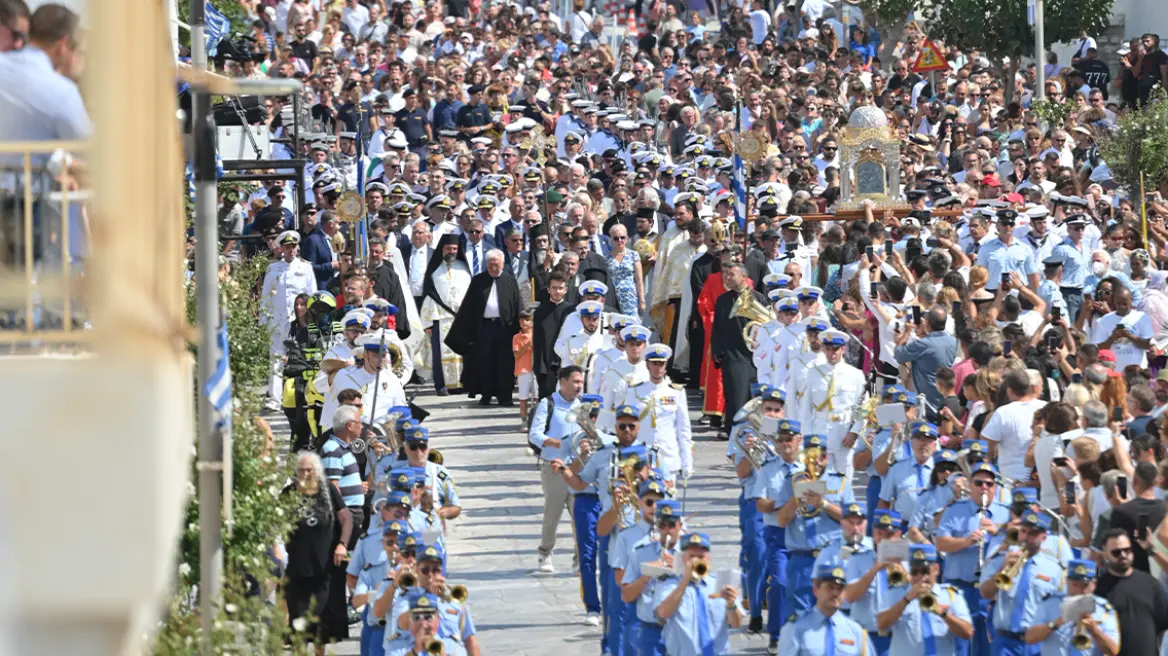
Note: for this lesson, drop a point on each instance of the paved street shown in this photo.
(493, 545)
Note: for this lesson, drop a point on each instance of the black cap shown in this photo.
(475, 88)
(769, 233)
(409, 92)
(1007, 216)
(915, 194)
(1053, 260)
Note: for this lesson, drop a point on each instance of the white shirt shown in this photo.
(760, 23)
(355, 17)
(492, 309)
(1049, 447)
(1028, 319)
(417, 273)
(1138, 324)
(1010, 428)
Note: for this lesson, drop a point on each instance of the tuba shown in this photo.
(397, 362)
(761, 451)
(580, 416)
(755, 313)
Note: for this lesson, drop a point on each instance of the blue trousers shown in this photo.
(610, 640)
(630, 629)
(651, 643)
(799, 593)
(754, 546)
(1073, 297)
(1012, 647)
(776, 561)
(742, 532)
(871, 497)
(880, 643)
(979, 613)
(372, 640)
(585, 513)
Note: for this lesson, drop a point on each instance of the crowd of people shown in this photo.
(946, 418)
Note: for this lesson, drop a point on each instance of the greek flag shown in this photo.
(1031, 12)
(738, 184)
(218, 388)
(217, 27)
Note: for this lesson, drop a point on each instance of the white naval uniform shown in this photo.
(283, 282)
(664, 424)
(572, 325)
(389, 394)
(831, 414)
(581, 350)
(766, 349)
(797, 373)
(391, 339)
(595, 375)
(790, 342)
(341, 350)
(620, 376)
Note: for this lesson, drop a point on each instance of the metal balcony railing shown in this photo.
(44, 237)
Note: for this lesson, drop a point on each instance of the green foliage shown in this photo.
(998, 28)
(1051, 113)
(1139, 144)
(247, 622)
(232, 9)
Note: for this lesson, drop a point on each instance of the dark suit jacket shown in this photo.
(501, 230)
(315, 249)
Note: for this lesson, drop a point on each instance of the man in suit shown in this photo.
(514, 223)
(317, 248)
(476, 247)
(597, 243)
(518, 262)
(593, 266)
(416, 254)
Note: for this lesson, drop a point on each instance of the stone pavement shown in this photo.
(492, 546)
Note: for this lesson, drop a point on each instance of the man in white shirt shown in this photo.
(354, 16)
(1127, 332)
(1009, 429)
(888, 309)
(760, 23)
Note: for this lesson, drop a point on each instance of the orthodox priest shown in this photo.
(445, 285)
(670, 277)
(691, 341)
(713, 404)
(728, 347)
(482, 330)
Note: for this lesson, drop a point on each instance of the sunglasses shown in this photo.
(650, 502)
(625, 426)
(667, 523)
(418, 446)
(984, 483)
(918, 571)
(1120, 551)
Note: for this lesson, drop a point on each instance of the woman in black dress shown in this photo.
(323, 522)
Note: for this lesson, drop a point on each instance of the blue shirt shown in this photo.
(807, 636)
(454, 620)
(403, 645)
(1020, 607)
(620, 549)
(920, 632)
(1059, 642)
(929, 502)
(340, 465)
(37, 103)
(865, 609)
(927, 355)
(881, 439)
(768, 484)
(645, 552)
(1076, 263)
(1049, 292)
(445, 112)
(682, 634)
(737, 455)
(369, 564)
(559, 428)
(961, 519)
(905, 481)
(815, 532)
(998, 258)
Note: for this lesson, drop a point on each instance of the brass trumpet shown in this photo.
(1081, 640)
(435, 648)
(406, 579)
(1012, 535)
(700, 570)
(457, 593)
(1005, 578)
(928, 603)
(897, 577)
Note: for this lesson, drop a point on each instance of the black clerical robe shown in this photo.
(595, 267)
(547, 321)
(701, 269)
(386, 285)
(731, 354)
(485, 344)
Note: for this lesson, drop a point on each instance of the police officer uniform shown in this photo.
(769, 484)
(908, 478)
(812, 633)
(832, 393)
(283, 282)
(807, 533)
(919, 631)
(865, 609)
(700, 625)
(402, 644)
(960, 567)
(647, 549)
(1019, 606)
(1059, 642)
(664, 418)
(999, 258)
(620, 376)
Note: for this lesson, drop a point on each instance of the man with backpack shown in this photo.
(549, 436)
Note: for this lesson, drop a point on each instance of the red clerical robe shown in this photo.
(711, 377)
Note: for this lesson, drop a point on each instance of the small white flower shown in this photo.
(299, 624)
(279, 512)
(190, 489)
(184, 570)
(268, 459)
(231, 608)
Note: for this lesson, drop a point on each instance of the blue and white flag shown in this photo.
(738, 184)
(218, 388)
(217, 27)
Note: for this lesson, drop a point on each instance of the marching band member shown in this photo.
(924, 616)
(809, 305)
(696, 623)
(962, 533)
(367, 568)
(765, 491)
(368, 377)
(944, 486)
(438, 483)
(664, 417)
(811, 518)
(285, 279)
(1101, 627)
(868, 584)
(771, 341)
(582, 347)
(642, 542)
(626, 372)
(869, 449)
(586, 506)
(908, 478)
(833, 390)
(454, 616)
(1019, 582)
(823, 630)
(342, 352)
(423, 628)
(849, 542)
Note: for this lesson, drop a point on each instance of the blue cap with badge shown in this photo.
(590, 308)
(593, 288)
(788, 304)
(984, 468)
(886, 519)
(948, 456)
(1081, 570)
(1024, 496)
(626, 410)
(417, 434)
(432, 553)
(830, 572)
(592, 402)
(833, 338)
(423, 604)
(891, 391)
(1034, 520)
(700, 540)
(852, 510)
(635, 333)
(401, 480)
(907, 398)
(651, 486)
(814, 441)
(668, 508)
(922, 553)
(757, 389)
(816, 324)
(790, 426)
(925, 429)
(773, 394)
(398, 498)
(395, 527)
(658, 353)
(975, 447)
